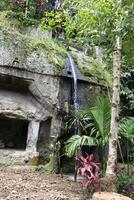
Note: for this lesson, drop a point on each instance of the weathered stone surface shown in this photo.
(36, 91)
(28, 96)
(109, 196)
(11, 157)
(18, 50)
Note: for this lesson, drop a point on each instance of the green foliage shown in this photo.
(93, 126)
(21, 20)
(4, 5)
(59, 21)
(93, 67)
(124, 180)
(83, 121)
(100, 19)
(101, 114)
(16, 21)
(54, 20)
(35, 8)
(46, 167)
(126, 128)
(49, 167)
(127, 82)
(75, 142)
(97, 23)
(53, 51)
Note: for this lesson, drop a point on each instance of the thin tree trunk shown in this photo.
(109, 182)
(113, 137)
(56, 4)
(26, 8)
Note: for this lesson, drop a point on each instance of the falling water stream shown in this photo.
(72, 66)
(75, 98)
(56, 4)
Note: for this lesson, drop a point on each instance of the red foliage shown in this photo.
(90, 170)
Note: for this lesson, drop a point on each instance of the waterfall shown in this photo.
(98, 52)
(72, 66)
(56, 4)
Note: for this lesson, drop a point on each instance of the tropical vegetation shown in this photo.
(101, 36)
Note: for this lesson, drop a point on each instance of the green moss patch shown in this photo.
(54, 52)
(14, 28)
(91, 67)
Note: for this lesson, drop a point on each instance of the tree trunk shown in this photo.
(56, 4)
(26, 8)
(109, 182)
(113, 137)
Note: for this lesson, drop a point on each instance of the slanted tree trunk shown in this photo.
(110, 181)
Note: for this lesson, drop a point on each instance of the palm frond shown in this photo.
(75, 142)
(101, 114)
(126, 128)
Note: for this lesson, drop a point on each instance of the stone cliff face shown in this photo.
(35, 88)
(22, 51)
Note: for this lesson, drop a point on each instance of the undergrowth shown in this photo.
(48, 167)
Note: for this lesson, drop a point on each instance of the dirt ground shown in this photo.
(24, 183)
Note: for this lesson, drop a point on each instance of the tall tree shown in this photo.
(107, 24)
(113, 136)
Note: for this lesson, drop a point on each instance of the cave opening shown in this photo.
(13, 133)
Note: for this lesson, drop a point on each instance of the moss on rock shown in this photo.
(32, 44)
(33, 161)
(53, 52)
(92, 67)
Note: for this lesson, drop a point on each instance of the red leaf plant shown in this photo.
(90, 170)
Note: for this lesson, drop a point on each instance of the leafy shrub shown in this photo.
(126, 128)
(90, 170)
(124, 180)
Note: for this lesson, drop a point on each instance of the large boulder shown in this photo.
(109, 196)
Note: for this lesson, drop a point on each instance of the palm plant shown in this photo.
(74, 143)
(93, 126)
(101, 114)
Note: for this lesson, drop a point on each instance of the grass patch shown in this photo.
(53, 51)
